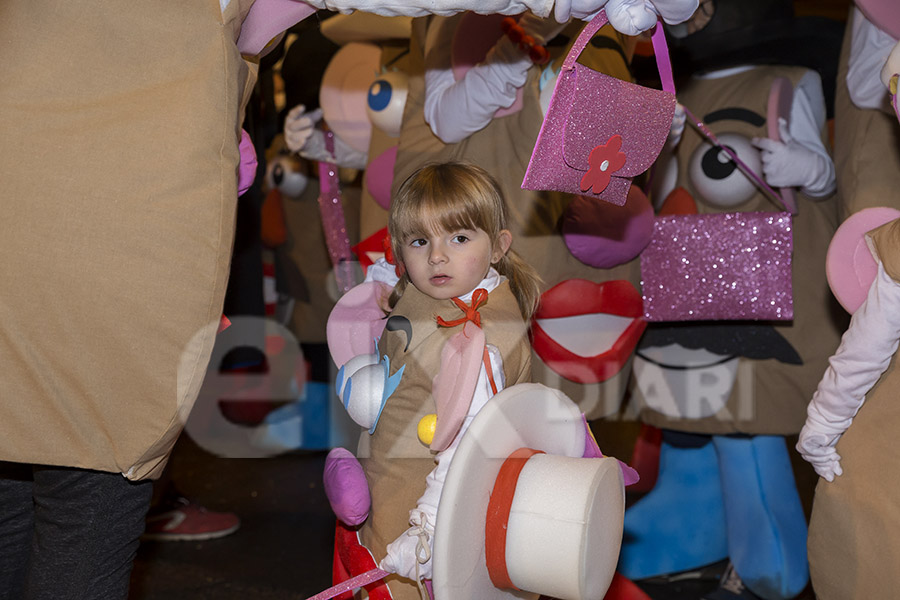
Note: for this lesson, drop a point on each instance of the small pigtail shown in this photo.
(524, 282)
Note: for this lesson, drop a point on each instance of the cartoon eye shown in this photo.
(717, 178)
(386, 99)
(288, 174)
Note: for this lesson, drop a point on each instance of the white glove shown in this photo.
(864, 354)
(789, 163)
(411, 549)
(631, 17)
(299, 126)
(817, 440)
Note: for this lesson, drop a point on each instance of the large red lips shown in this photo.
(576, 297)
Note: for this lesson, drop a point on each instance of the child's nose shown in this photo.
(437, 254)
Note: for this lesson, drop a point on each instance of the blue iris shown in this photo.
(380, 94)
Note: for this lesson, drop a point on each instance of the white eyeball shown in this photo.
(289, 174)
(717, 178)
(385, 101)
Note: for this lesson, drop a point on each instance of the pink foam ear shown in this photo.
(356, 321)
(849, 266)
(454, 385)
(346, 487)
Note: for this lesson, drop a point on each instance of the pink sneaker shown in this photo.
(183, 520)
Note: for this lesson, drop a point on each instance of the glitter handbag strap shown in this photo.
(660, 50)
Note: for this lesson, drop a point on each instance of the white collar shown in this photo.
(490, 283)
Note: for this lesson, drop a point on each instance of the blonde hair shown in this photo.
(458, 195)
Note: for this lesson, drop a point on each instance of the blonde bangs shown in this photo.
(446, 197)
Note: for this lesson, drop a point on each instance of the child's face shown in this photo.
(448, 264)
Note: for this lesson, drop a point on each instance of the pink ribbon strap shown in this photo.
(351, 584)
(762, 185)
(333, 220)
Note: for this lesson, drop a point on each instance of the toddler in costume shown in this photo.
(449, 236)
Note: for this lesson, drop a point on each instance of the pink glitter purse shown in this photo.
(599, 131)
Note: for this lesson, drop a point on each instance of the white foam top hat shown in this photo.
(521, 512)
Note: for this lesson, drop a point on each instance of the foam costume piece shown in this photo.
(454, 385)
(575, 556)
(351, 559)
(603, 235)
(570, 156)
(611, 309)
(765, 521)
(346, 487)
(343, 100)
(849, 264)
(356, 321)
(344, 92)
(719, 267)
(365, 388)
(681, 524)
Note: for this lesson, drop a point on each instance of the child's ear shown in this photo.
(501, 246)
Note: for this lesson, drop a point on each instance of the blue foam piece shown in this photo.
(766, 524)
(680, 523)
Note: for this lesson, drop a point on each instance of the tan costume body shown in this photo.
(395, 461)
(117, 222)
(769, 396)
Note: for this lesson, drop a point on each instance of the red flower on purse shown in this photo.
(605, 160)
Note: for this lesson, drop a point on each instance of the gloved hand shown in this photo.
(299, 126)
(816, 445)
(631, 17)
(412, 548)
(788, 163)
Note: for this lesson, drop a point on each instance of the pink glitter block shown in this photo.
(728, 266)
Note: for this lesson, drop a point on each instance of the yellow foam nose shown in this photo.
(426, 428)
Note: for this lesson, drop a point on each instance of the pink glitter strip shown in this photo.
(333, 222)
(762, 185)
(351, 584)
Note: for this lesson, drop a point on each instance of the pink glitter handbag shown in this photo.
(599, 131)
